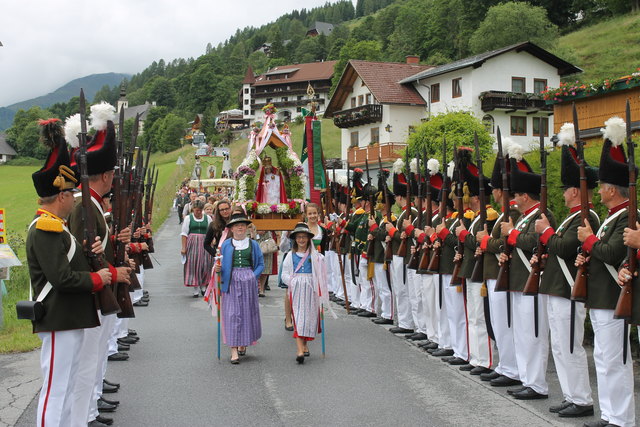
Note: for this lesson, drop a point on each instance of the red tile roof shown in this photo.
(382, 79)
(303, 72)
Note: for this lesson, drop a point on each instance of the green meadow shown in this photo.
(18, 198)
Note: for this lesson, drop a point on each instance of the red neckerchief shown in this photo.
(436, 212)
(531, 209)
(619, 207)
(405, 207)
(449, 215)
(578, 207)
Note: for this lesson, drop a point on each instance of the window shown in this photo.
(246, 112)
(435, 92)
(368, 98)
(518, 125)
(353, 102)
(536, 126)
(360, 100)
(354, 139)
(299, 97)
(285, 99)
(268, 100)
(539, 85)
(412, 129)
(253, 112)
(375, 135)
(489, 123)
(518, 85)
(246, 90)
(246, 102)
(456, 88)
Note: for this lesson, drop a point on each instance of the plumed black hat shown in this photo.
(56, 175)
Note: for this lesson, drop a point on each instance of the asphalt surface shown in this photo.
(369, 376)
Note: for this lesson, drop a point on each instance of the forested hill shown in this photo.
(439, 31)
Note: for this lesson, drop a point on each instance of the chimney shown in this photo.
(413, 59)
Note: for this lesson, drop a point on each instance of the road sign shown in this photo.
(180, 161)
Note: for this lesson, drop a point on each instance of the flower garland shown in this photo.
(291, 168)
(569, 90)
(292, 207)
(245, 177)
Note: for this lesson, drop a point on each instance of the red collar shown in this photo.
(619, 207)
(405, 208)
(512, 204)
(577, 208)
(93, 193)
(449, 215)
(532, 208)
(435, 212)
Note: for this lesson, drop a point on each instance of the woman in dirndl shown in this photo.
(241, 266)
(304, 272)
(198, 263)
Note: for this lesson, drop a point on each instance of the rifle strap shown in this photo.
(612, 271)
(561, 261)
(106, 227)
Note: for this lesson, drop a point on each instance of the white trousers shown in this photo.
(405, 320)
(479, 341)
(137, 295)
(353, 285)
(339, 289)
(572, 369)
(457, 316)
(615, 379)
(85, 383)
(367, 288)
(507, 364)
(414, 289)
(532, 354)
(108, 324)
(59, 357)
(430, 305)
(444, 331)
(383, 293)
(333, 271)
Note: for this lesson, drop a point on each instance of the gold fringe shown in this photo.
(370, 271)
(459, 288)
(483, 290)
(466, 194)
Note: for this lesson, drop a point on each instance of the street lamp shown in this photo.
(388, 128)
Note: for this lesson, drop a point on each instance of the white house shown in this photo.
(375, 112)
(131, 112)
(6, 151)
(502, 87)
(286, 87)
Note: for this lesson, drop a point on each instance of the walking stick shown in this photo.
(219, 280)
(322, 327)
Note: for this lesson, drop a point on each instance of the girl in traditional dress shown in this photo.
(304, 272)
(218, 231)
(320, 237)
(241, 266)
(197, 266)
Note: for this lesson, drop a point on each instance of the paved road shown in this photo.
(369, 376)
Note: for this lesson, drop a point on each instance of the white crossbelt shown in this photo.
(519, 226)
(612, 271)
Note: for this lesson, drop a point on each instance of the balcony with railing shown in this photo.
(512, 102)
(358, 116)
(388, 153)
(293, 90)
(290, 103)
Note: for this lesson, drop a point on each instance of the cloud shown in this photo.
(47, 44)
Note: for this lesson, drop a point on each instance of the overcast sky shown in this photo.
(48, 43)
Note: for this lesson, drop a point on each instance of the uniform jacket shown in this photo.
(525, 238)
(358, 229)
(562, 243)
(70, 304)
(493, 246)
(397, 231)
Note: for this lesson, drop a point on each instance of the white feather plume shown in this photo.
(342, 180)
(450, 168)
(434, 166)
(615, 130)
(398, 166)
(567, 135)
(72, 129)
(100, 114)
(515, 151)
(413, 165)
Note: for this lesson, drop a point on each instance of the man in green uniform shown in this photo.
(62, 281)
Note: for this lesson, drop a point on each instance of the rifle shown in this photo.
(532, 285)
(388, 253)
(415, 257)
(478, 269)
(455, 277)
(423, 264)
(402, 250)
(106, 298)
(502, 281)
(119, 221)
(625, 300)
(342, 244)
(371, 244)
(434, 262)
(579, 291)
(332, 243)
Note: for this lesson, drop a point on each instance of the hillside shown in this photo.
(91, 84)
(606, 49)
